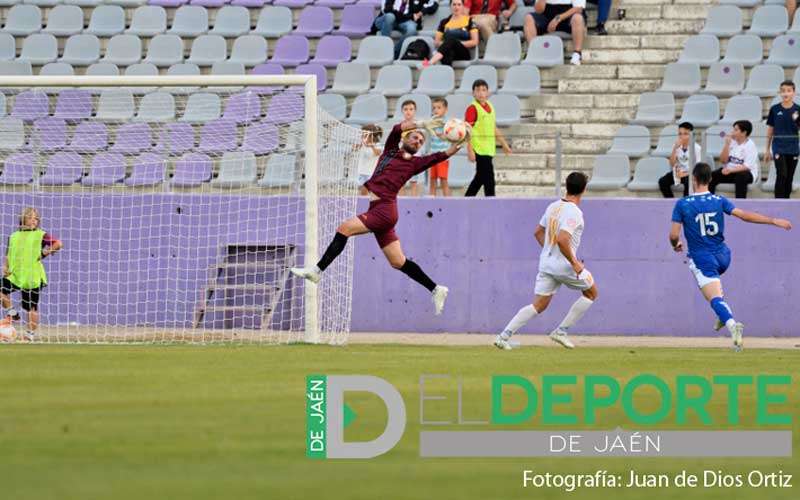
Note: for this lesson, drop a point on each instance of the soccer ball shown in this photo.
(455, 130)
(8, 333)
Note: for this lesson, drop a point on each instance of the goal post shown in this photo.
(302, 209)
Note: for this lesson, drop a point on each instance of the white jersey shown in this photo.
(560, 216)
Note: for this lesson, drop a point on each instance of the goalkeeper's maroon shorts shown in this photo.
(381, 219)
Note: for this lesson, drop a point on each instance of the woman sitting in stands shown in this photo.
(455, 37)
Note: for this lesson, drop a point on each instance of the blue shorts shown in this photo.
(709, 266)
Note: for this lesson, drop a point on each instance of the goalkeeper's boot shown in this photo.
(13, 314)
(439, 295)
(501, 342)
(312, 274)
(736, 334)
(559, 336)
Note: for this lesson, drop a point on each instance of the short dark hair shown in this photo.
(702, 173)
(479, 83)
(441, 100)
(686, 125)
(787, 83)
(576, 183)
(407, 102)
(745, 126)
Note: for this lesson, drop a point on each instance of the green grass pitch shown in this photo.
(186, 422)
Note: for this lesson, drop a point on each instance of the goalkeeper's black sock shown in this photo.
(333, 251)
(413, 271)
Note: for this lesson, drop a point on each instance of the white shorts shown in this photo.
(548, 284)
(702, 279)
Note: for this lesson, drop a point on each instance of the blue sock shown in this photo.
(722, 309)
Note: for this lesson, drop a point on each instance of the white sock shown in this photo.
(518, 321)
(317, 270)
(575, 313)
(730, 324)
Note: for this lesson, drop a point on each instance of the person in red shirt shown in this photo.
(396, 165)
(486, 14)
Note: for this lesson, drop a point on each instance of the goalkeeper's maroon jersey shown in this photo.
(394, 170)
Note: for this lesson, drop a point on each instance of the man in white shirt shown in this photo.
(739, 159)
(559, 234)
(550, 16)
(679, 161)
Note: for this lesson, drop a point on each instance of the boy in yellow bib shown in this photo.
(485, 136)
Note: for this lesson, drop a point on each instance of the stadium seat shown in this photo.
(175, 138)
(764, 80)
(156, 107)
(406, 43)
(431, 23)
(274, 22)
(681, 79)
(102, 69)
(15, 68)
(39, 49)
(57, 69)
(40, 3)
(769, 21)
(141, 69)
(740, 3)
(2, 105)
(260, 138)
(655, 108)
(81, 50)
(313, 69)
(393, 80)
(148, 20)
(74, 105)
(700, 49)
(31, 105)
(334, 104)
(250, 3)
(115, 105)
(124, 50)
(8, 47)
(127, 3)
(723, 20)
(295, 4)
(666, 140)
(249, 50)
(132, 138)
(107, 169)
(285, 108)
(207, 50)
(759, 136)
(189, 21)
(237, 169)
(437, 81)
(63, 169)
(744, 49)
(165, 50)
(503, 50)
(795, 29)
(279, 171)
(457, 105)
(422, 101)
(267, 69)
(785, 51)
(610, 172)
(85, 3)
(632, 141)
(12, 134)
(517, 20)
(18, 169)
(545, 52)
(352, 79)
(701, 110)
(209, 3)
(202, 107)
(461, 171)
(332, 50)
(725, 79)
(88, 137)
(192, 170)
(375, 51)
(314, 22)
(48, 135)
(368, 108)
(290, 50)
(356, 21)
(647, 173)
(742, 107)
(64, 20)
(466, 63)
(148, 170)
(227, 68)
(106, 21)
(715, 137)
(506, 107)
(334, 4)
(23, 20)
(183, 69)
(217, 136)
(243, 108)
(231, 21)
(523, 80)
(478, 72)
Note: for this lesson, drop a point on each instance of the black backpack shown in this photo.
(418, 50)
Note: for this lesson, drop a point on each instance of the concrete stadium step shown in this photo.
(653, 27)
(614, 86)
(630, 56)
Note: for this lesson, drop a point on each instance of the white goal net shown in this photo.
(180, 202)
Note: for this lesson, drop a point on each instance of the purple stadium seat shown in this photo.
(285, 108)
(49, 134)
(31, 105)
(251, 3)
(148, 170)
(210, 3)
(176, 138)
(267, 69)
(218, 136)
(89, 137)
(191, 170)
(132, 138)
(168, 3)
(243, 108)
(18, 169)
(290, 50)
(356, 21)
(334, 4)
(74, 105)
(315, 22)
(312, 69)
(63, 169)
(375, 4)
(292, 4)
(260, 138)
(107, 169)
(333, 49)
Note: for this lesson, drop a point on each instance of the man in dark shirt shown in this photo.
(399, 15)
(396, 165)
(782, 128)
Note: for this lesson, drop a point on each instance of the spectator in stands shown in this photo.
(603, 9)
(486, 14)
(455, 36)
(680, 162)
(791, 6)
(782, 142)
(438, 143)
(550, 16)
(739, 158)
(404, 16)
(485, 135)
(368, 152)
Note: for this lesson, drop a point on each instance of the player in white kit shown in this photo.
(559, 234)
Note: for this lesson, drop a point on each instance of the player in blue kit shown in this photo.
(703, 221)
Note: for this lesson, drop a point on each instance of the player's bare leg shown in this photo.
(397, 259)
(713, 294)
(575, 313)
(445, 187)
(527, 313)
(351, 227)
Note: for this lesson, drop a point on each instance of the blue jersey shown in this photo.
(702, 216)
